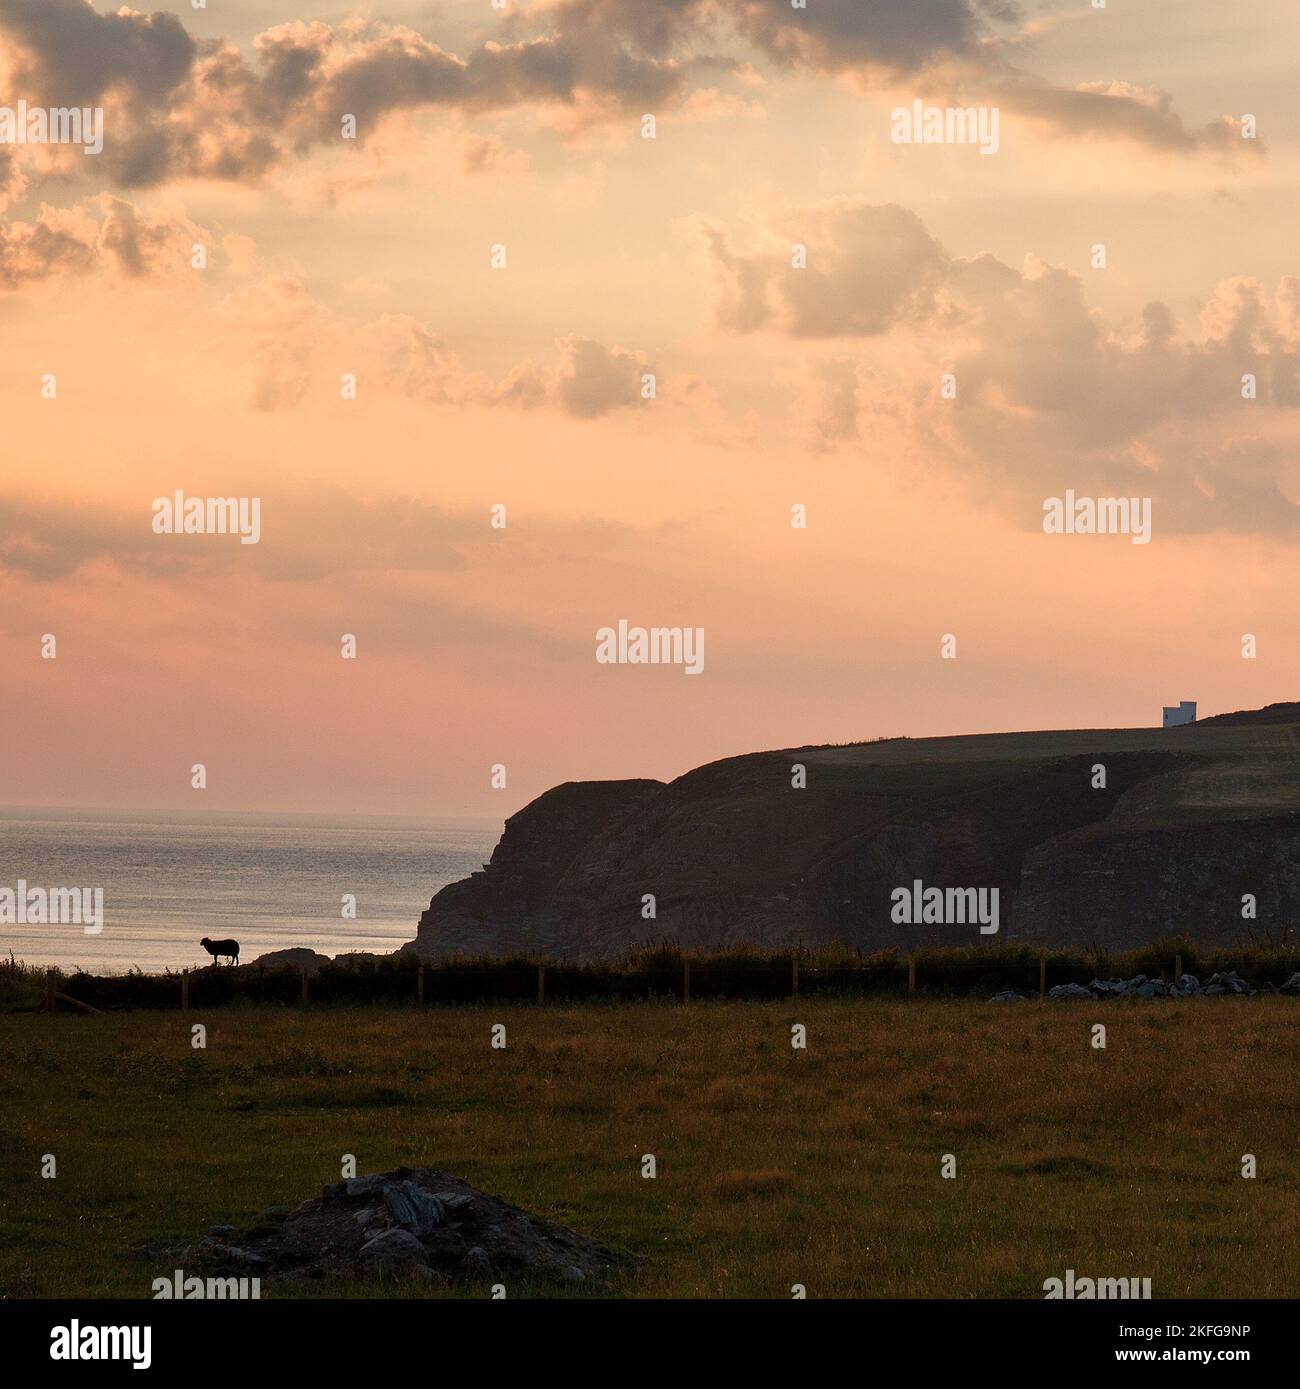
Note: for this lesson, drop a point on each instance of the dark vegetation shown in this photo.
(659, 972)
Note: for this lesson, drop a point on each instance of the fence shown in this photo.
(664, 975)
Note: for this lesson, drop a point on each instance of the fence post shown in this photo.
(185, 991)
(911, 974)
(1042, 976)
(794, 976)
(419, 987)
(304, 986)
(1178, 969)
(686, 981)
(541, 983)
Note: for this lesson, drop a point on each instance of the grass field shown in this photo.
(775, 1166)
(1241, 769)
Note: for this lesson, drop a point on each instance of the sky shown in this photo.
(771, 310)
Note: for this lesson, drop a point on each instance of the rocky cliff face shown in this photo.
(530, 899)
(1117, 890)
(1187, 821)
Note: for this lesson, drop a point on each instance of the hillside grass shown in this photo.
(1229, 769)
(775, 1166)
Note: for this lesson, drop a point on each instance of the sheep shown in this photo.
(218, 948)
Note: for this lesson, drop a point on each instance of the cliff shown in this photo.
(1189, 819)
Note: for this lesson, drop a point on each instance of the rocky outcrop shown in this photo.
(296, 957)
(1096, 838)
(412, 1223)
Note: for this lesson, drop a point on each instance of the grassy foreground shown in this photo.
(775, 1166)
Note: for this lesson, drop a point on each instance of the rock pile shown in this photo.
(412, 1223)
(1186, 986)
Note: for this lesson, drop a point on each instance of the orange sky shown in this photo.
(521, 387)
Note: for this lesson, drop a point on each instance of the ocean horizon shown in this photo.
(269, 880)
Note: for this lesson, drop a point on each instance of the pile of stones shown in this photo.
(1186, 986)
(412, 1223)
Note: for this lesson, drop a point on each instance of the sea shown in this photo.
(269, 881)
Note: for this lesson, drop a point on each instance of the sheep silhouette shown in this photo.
(218, 948)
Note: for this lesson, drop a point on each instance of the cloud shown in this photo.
(870, 35)
(881, 36)
(406, 572)
(964, 49)
(13, 182)
(104, 234)
(590, 380)
(593, 379)
(307, 533)
(300, 346)
(1040, 351)
(1122, 111)
(868, 267)
(828, 406)
(1050, 395)
(70, 54)
(180, 107)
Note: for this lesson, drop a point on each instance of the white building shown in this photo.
(1176, 714)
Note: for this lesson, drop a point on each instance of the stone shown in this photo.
(214, 1254)
(372, 1221)
(1007, 996)
(467, 1235)
(413, 1208)
(221, 1231)
(244, 1258)
(1069, 991)
(365, 1186)
(392, 1254)
(1291, 985)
